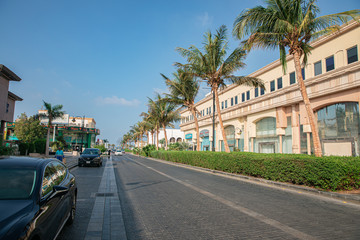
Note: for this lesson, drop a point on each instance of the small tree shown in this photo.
(28, 129)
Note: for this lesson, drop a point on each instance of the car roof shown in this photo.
(23, 162)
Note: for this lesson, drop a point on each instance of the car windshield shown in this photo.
(91, 151)
(16, 183)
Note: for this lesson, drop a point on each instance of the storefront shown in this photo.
(205, 143)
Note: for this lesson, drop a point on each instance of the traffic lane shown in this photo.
(156, 207)
(312, 215)
(88, 181)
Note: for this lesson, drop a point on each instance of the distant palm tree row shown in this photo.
(285, 24)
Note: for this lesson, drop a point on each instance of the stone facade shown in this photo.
(275, 120)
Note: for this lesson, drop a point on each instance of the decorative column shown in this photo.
(308, 141)
(246, 136)
(295, 130)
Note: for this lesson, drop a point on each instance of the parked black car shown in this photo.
(90, 156)
(37, 198)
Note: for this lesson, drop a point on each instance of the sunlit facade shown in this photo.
(274, 119)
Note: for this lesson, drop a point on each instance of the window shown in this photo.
(225, 103)
(222, 105)
(279, 83)
(272, 86)
(317, 68)
(7, 107)
(256, 92)
(232, 101)
(209, 110)
(262, 91)
(236, 100)
(330, 65)
(303, 73)
(352, 55)
(243, 97)
(248, 95)
(292, 78)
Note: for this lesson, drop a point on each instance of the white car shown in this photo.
(118, 153)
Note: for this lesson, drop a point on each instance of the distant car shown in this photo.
(119, 153)
(90, 156)
(37, 198)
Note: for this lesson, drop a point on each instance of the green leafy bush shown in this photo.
(6, 150)
(328, 173)
(138, 151)
(40, 146)
(178, 146)
(24, 148)
(148, 149)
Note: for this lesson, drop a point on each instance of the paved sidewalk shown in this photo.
(106, 220)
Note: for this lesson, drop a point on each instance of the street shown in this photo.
(163, 201)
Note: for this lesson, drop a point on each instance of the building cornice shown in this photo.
(316, 43)
(8, 74)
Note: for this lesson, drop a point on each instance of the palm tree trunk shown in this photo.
(165, 137)
(197, 129)
(147, 137)
(227, 149)
(157, 138)
(309, 110)
(47, 142)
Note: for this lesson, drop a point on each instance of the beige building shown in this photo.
(7, 98)
(274, 120)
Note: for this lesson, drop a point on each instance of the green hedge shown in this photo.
(328, 173)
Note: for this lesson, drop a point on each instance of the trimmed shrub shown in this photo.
(40, 146)
(328, 173)
(24, 148)
(6, 150)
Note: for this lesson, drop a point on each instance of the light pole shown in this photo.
(82, 126)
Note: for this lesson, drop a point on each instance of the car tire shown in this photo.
(79, 164)
(72, 212)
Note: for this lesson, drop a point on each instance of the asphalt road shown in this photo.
(162, 201)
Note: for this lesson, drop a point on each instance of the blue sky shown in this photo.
(102, 59)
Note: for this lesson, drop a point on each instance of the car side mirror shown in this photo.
(59, 190)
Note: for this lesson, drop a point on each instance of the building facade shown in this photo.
(78, 132)
(274, 119)
(7, 99)
(173, 136)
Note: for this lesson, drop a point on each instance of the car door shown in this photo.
(49, 218)
(65, 199)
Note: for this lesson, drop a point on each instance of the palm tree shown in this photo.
(149, 125)
(183, 90)
(213, 67)
(165, 114)
(290, 24)
(52, 113)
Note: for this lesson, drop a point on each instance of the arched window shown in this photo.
(266, 140)
(339, 127)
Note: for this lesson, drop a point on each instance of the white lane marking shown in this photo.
(256, 215)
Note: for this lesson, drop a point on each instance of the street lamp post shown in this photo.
(82, 126)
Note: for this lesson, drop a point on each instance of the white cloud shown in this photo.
(114, 100)
(205, 20)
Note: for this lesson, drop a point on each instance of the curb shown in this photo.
(342, 196)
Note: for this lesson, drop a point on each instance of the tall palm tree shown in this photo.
(52, 113)
(215, 68)
(149, 125)
(290, 24)
(183, 91)
(165, 113)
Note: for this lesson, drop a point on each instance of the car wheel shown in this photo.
(72, 212)
(79, 164)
